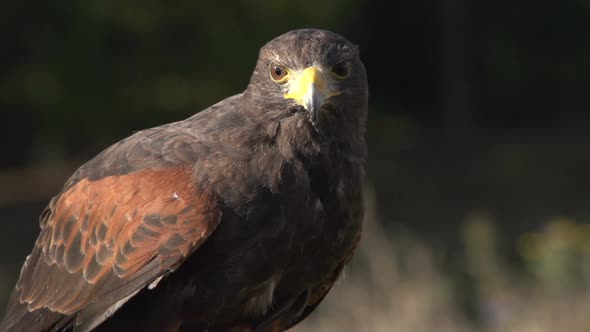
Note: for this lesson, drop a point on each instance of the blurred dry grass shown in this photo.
(397, 284)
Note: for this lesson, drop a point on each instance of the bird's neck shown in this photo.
(296, 137)
(338, 133)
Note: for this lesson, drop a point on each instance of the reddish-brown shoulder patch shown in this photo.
(114, 227)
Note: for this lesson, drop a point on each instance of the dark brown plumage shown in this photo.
(238, 218)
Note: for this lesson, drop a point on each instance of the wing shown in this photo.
(319, 291)
(123, 220)
(102, 241)
(300, 307)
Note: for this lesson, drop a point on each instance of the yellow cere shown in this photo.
(306, 82)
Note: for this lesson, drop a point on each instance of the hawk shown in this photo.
(239, 218)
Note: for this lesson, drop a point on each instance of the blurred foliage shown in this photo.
(559, 254)
(533, 65)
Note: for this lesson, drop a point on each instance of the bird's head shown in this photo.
(315, 72)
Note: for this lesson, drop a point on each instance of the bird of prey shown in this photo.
(239, 218)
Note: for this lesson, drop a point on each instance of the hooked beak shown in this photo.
(310, 89)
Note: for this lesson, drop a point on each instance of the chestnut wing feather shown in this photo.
(107, 239)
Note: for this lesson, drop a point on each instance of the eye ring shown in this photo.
(279, 73)
(341, 70)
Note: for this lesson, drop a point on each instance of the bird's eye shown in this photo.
(341, 70)
(278, 73)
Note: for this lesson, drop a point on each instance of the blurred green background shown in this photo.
(478, 181)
